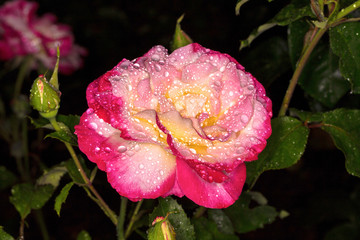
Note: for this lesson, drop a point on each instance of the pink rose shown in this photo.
(181, 124)
(23, 33)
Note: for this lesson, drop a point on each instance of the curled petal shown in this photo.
(210, 195)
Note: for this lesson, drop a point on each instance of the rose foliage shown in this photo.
(23, 33)
(178, 124)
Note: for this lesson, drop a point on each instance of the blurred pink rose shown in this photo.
(23, 33)
(181, 124)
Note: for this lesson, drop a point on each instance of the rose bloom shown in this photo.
(23, 33)
(181, 124)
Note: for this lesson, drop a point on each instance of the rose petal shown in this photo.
(210, 195)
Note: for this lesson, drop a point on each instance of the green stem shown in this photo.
(347, 10)
(88, 183)
(24, 68)
(299, 67)
(25, 149)
(121, 219)
(133, 219)
(42, 225)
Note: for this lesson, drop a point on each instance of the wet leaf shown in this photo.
(61, 198)
(296, 10)
(268, 60)
(321, 77)
(7, 178)
(26, 197)
(296, 33)
(247, 219)
(345, 42)
(284, 148)
(52, 176)
(207, 229)
(64, 136)
(4, 235)
(222, 221)
(183, 228)
(344, 127)
(73, 170)
(306, 116)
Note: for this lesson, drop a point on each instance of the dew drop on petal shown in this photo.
(244, 118)
(107, 149)
(130, 153)
(93, 125)
(157, 67)
(141, 166)
(240, 150)
(97, 149)
(136, 147)
(155, 57)
(90, 111)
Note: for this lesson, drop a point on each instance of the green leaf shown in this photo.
(245, 219)
(268, 61)
(346, 231)
(183, 228)
(345, 42)
(222, 221)
(4, 235)
(296, 10)
(64, 136)
(180, 38)
(61, 198)
(306, 116)
(69, 120)
(7, 178)
(26, 196)
(321, 78)
(296, 33)
(206, 229)
(344, 127)
(73, 170)
(284, 148)
(83, 235)
(52, 176)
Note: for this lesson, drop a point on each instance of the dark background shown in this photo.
(317, 192)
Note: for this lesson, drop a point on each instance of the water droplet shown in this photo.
(97, 149)
(250, 87)
(130, 153)
(93, 125)
(244, 118)
(155, 57)
(141, 166)
(137, 148)
(166, 74)
(136, 65)
(222, 69)
(124, 65)
(90, 111)
(107, 149)
(161, 172)
(157, 67)
(240, 150)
